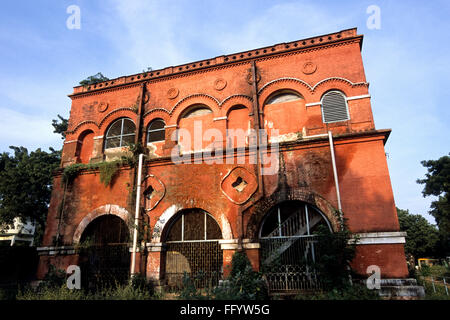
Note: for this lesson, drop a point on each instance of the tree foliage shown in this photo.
(60, 126)
(25, 184)
(437, 183)
(99, 77)
(421, 236)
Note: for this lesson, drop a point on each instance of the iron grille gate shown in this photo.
(105, 265)
(201, 260)
(288, 263)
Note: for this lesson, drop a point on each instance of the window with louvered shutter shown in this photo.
(334, 107)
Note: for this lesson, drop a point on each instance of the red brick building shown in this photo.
(204, 198)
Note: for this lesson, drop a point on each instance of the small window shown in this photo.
(120, 134)
(156, 131)
(334, 107)
(284, 96)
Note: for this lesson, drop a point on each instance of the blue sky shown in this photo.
(405, 61)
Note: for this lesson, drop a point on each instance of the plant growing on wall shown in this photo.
(99, 77)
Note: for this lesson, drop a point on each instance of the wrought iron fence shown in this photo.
(105, 265)
(200, 260)
(288, 263)
(436, 285)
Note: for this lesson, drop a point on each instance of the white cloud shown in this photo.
(19, 129)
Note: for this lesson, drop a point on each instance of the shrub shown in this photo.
(335, 255)
(354, 292)
(243, 283)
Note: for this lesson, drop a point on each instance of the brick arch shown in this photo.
(117, 114)
(84, 125)
(346, 86)
(163, 224)
(101, 211)
(237, 100)
(156, 114)
(300, 86)
(185, 103)
(260, 209)
(85, 145)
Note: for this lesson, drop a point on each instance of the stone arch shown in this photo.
(260, 209)
(100, 211)
(163, 224)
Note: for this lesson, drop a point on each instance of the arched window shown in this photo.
(120, 133)
(334, 107)
(196, 111)
(283, 96)
(192, 247)
(288, 248)
(194, 225)
(156, 131)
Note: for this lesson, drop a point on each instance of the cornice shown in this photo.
(343, 37)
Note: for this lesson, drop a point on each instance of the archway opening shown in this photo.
(288, 251)
(104, 253)
(192, 248)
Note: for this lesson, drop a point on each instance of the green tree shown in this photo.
(437, 183)
(99, 77)
(60, 126)
(421, 236)
(25, 185)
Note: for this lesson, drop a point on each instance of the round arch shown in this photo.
(163, 223)
(109, 209)
(260, 209)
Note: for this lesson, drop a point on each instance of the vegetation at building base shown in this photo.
(54, 287)
(243, 283)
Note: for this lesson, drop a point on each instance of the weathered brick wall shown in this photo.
(224, 85)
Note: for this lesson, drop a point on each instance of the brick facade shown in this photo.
(226, 86)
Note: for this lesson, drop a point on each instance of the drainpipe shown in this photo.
(136, 217)
(336, 181)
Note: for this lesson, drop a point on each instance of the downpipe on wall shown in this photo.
(136, 216)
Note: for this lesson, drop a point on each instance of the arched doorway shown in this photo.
(288, 250)
(104, 252)
(192, 247)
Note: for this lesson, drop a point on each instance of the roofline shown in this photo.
(229, 59)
